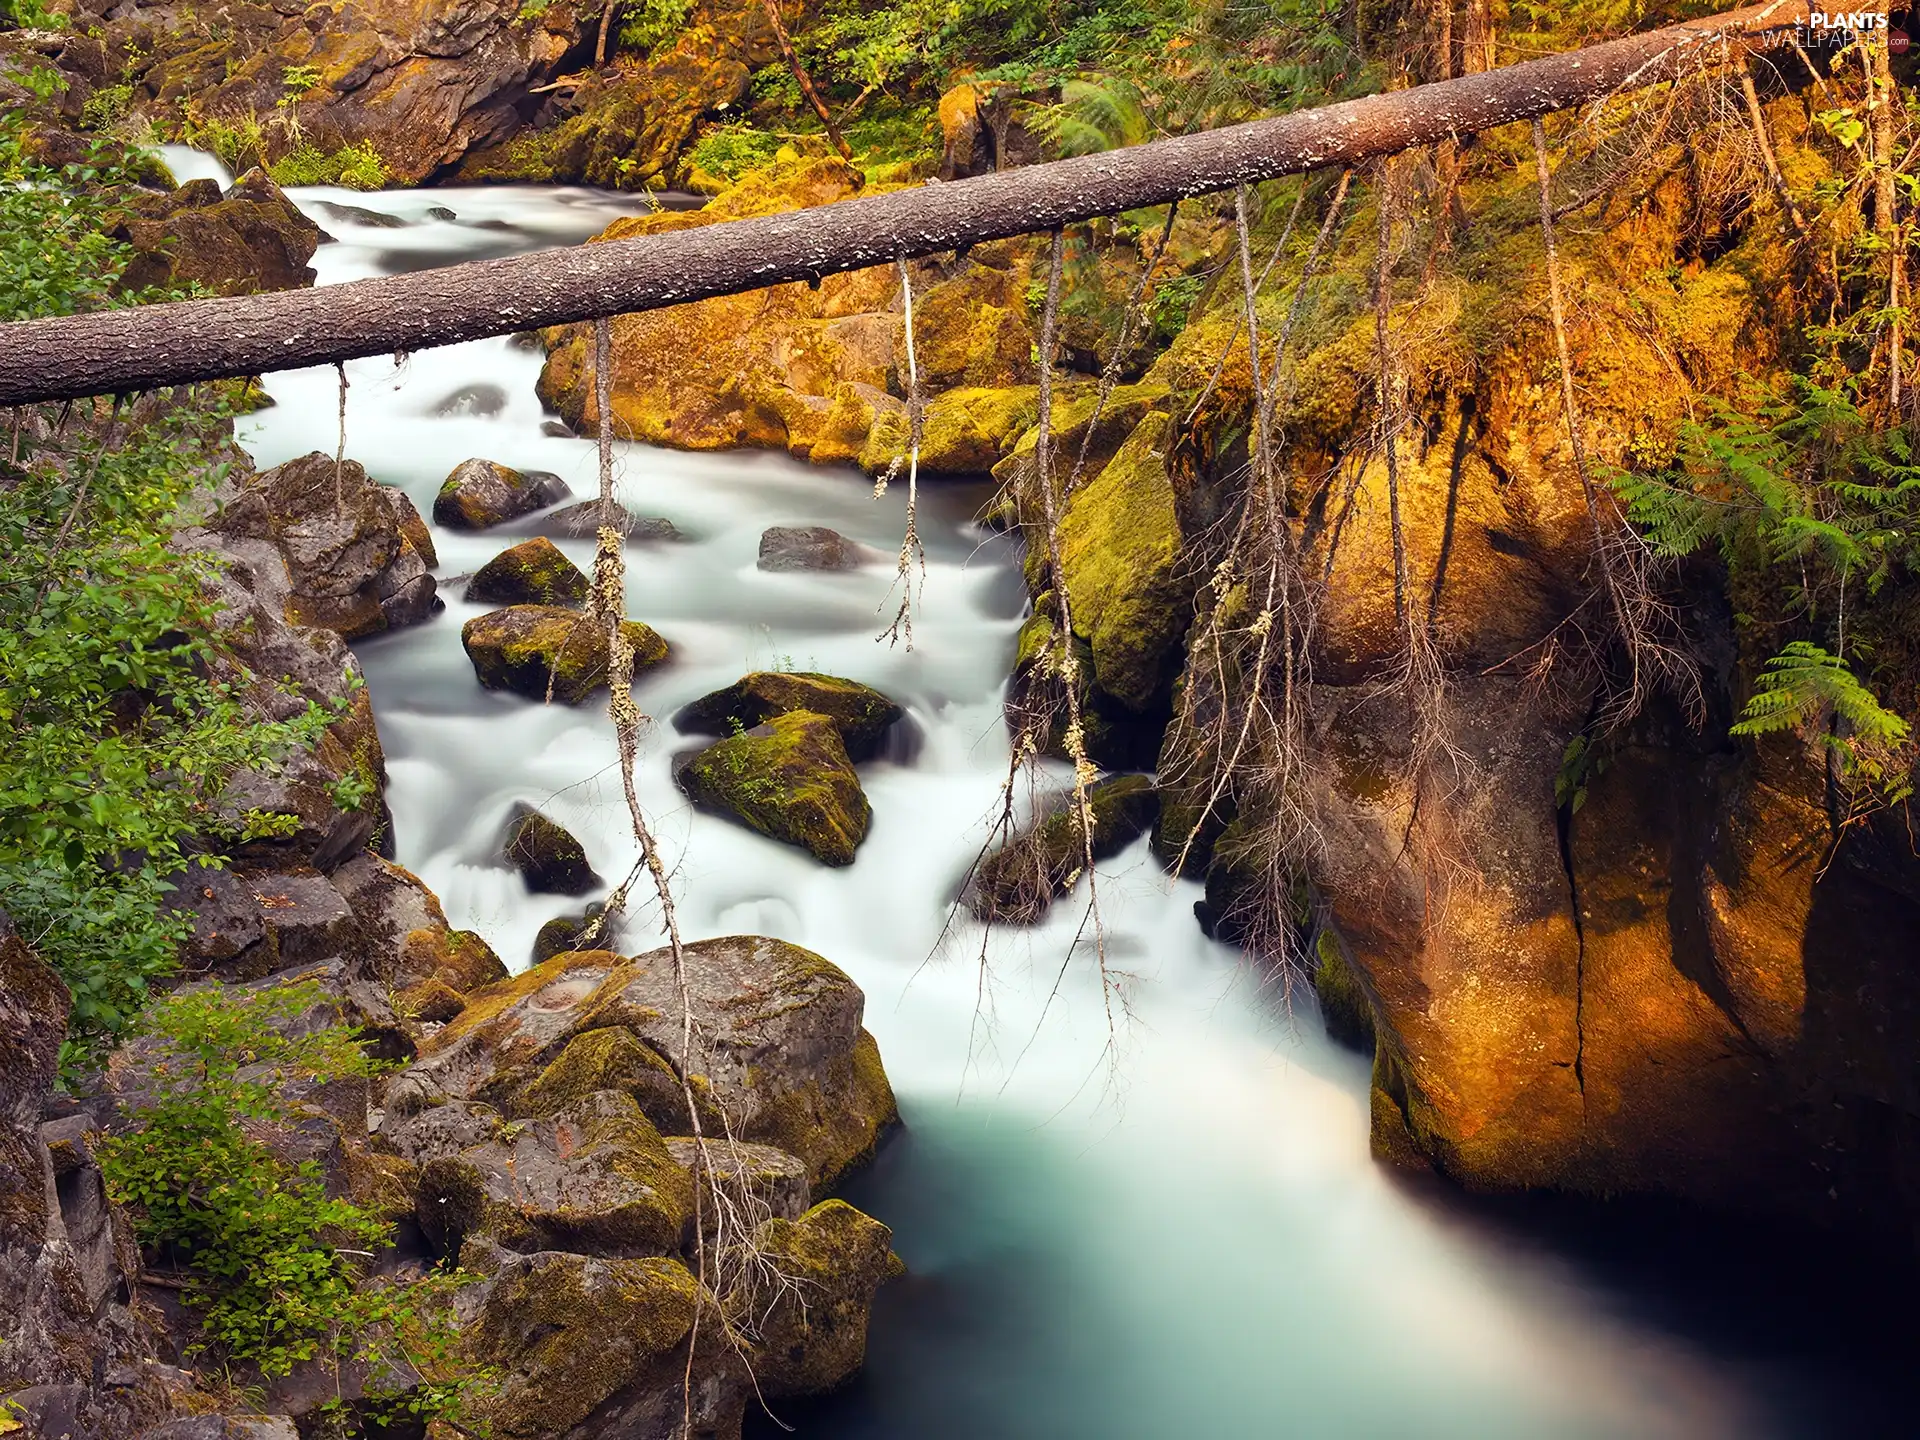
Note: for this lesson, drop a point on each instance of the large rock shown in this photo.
(809, 547)
(247, 239)
(533, 572)
(330, 547)
(418, 88)
(543, 651)
(860, 713)
(816, 371)
(596, 1179)
(547, 856)
(812, 1322)
(593, 1349)
(480, 494)
(778, 1043)
(64, 1268)
(1017, 882)
(788, 778)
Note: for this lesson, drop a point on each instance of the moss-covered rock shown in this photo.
(563, 933)
(547, 856)
(480, 494)
(860, 713)
(967, 431)
(779, 1043)
(533, 572)
(751, 1179)
(595, 1179)
(1343, 1002)
(460, 959)
(813, 1325)
(544, 650)
(788, 778)
(249, 239)
(1120, 545)
(569, 1334)
(1020, 880)
(612, 1058)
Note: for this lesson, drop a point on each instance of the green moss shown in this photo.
(860, 713)
(813, 1327)
(534, 572)
(1120, 548)
(1343, 1001)
(967, 431)
(612, 1058)
(534, 649)
(790, 779)
(1019, 881)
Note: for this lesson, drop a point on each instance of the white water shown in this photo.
(1193, 1244)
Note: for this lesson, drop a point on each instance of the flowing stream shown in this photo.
(1164, 1226)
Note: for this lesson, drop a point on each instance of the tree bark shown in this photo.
(804, 80)
(145, 347)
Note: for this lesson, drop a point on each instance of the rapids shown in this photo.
(1166, 1225)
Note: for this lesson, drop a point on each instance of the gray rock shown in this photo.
(583, 521)
(809, 547)
(480, 494)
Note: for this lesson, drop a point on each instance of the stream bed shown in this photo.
(1165, 1224)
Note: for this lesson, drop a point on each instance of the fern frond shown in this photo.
(1801, 683)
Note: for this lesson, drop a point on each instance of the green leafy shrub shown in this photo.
(646, 25)
(357, 167)
(1815, 510)
(120, 720)
(730, 151)
(106, 107)
(277, 1269)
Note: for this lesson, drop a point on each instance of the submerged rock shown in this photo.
(809, 547)
(548, 858)
(790, 779)
(778, 1044)
(533, 572)
(480, 494)
(860, 713)
(583, 521)
(1020, 880)
(542, 650)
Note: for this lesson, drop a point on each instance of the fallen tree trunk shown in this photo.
(121, 351)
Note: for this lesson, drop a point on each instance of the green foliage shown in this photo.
(730, 151)
(1101, 113)
(277, 1266)
(119, 726)
(236, 140)
(357, 167)
(298, 80)
(106, 107)
(1814, 509)
(646, 25)
(30, 15)
(1170, 306)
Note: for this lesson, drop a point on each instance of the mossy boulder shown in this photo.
(1343, 1000)
(570, 1335)
(545, 650)
(547, 856)
(752, 1179)
(860, 713)
(533, 572)
(1020, 880)
(778, 1041)
(1121, 549)
(613, 1058)
(788, 778)
(249, 239)
(967, 431)
(813, 1324)
(459, 959)
(596, 1178)
(480, 494)
(563, 933)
